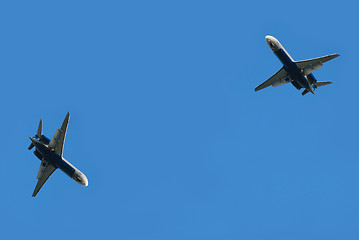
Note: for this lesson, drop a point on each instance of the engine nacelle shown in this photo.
(311, 78)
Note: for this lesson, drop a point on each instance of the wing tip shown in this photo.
(34, 193)
(260, 87)
(67, 116)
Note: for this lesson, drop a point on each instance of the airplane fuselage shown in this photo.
(43, 152)
(299, 80)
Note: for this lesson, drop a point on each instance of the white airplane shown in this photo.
(299, 73)
(50, 154)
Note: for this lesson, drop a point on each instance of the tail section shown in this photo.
(315, 85)
(38, 134)
(319, 84)
(305, 92)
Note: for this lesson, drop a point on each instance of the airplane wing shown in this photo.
(46, 169)
(274, 80)
(57, 142)
(315, 63)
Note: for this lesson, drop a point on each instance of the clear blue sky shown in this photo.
(167, 127)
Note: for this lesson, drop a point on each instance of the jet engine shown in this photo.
(311, 78)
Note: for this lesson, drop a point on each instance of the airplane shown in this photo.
(50, 154)
(299, 73)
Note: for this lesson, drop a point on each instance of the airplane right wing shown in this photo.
(57, 142)
(46, 169)
(309, 65)
(277, 79)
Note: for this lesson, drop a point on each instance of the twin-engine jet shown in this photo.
(50, 154)
(299, 73)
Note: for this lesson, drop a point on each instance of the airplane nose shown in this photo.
(269, 38)
(85, 181)
(80, 178)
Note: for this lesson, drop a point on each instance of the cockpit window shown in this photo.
(78, 179)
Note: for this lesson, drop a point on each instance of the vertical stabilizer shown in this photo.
(38, 134)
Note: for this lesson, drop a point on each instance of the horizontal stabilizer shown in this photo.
(305, 92)
(319, 84)
(39, 129)
(31, 146)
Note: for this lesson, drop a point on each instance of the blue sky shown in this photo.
(167, 127)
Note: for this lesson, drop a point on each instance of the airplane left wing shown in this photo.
(57, 142)
(277, 79)
(46, 169)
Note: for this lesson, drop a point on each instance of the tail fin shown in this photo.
(319, 84)
(39, 134)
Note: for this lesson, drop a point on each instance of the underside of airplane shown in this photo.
(50, 154)
(299, 73)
